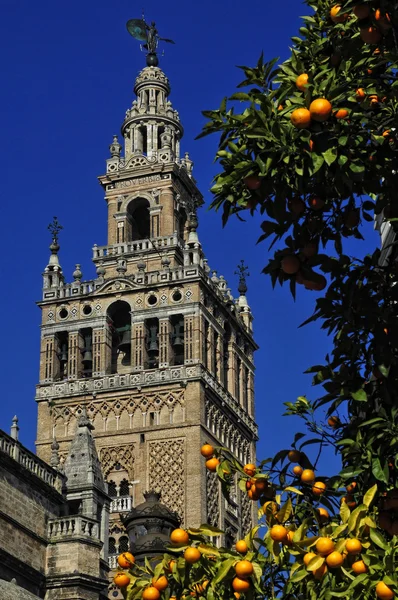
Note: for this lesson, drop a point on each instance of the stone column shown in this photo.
(112, 226)
(210, 351)
(139, 350)
(167, 221)
(75, 346)
(243, 386)
(231, 369)
(250, 393)
(49, 362)
(165, 351)
(219, 361)
(101, 351)
(189, 345)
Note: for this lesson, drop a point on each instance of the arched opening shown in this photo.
(123, 544)
(124, 489)
(112, 491)
(182, 220)
(112, 546)
(139, 220)
(120, 324)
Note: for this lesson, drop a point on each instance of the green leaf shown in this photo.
(378, 471)
(360, 395)
(315, 563)
(330, 155)
(370, 494)
(378, 539)
(240, 96)
(223, 571)
(298, 576)
(206, 530)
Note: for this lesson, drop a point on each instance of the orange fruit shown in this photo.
(359, 567)
(121, 579)
(316, 203)
(308, 476)
(370, 35)
(260, 485)
(334, 560)
(308, 557)
(207, 451)
(125, 560)
(353, 546)
(244, 569)
(151, 593)
(161, 583)
(301, 118)
(320, 109)
(296, 206)
(311, 145)
(349, 500)
(294, 456)
(320, 572)
(289, 539)
(318, 285)
(192, 555)
(241, 547)
(278, 533)
(360, 94)
(170, 566)
(301, 82)
(373, 99)
(323, 514)
(212, 464)
(318, 488)
(280, 107)
(250, 469)
(179, 536)
(334, 14)
(240, 585)
(334, 422)
(351, 487)
(297, 470)
(383, 591)
(361, 11)
(342, 113)
(199, 588)
(252, 182)
(254, 495)
(290, 265)
(324, 546)
(386, 134)
(383, 19)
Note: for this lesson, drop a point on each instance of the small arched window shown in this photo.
(139, 220)
(124, 489)
(112, 546)
(112, 489)
(123, 544)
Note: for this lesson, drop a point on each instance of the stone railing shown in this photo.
(138, 246)
(64, 527)
(112, 561)
(121, 504)
(30, 461)
(141, 379)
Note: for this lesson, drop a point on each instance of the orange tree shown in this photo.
(314, 149)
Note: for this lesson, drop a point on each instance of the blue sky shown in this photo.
(68, 70)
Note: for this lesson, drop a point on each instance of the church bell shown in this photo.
(63, 355)
(153, 339)
(178, 336)
(125, 343)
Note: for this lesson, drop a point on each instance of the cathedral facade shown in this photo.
(154, 355)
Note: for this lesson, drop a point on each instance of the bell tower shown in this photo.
(155, 350)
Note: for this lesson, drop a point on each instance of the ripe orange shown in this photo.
(250, 469)
(320, 572)
(334, 14)
(351, 487)
(316, 203)
(161, 583)
(353, 546)
(244, 569)
(254, 495)
(252, 182)
(323, 514)
(151, 593)
(317, 285)
(334, 422)
(383, 19)
(121, 579)
(241, 547)
(349, 500)
(212, 464)
(278, 533)
(294, 456)
(297, 470)
(301, 118)
(318, 488)
(290, 265)
(308, 557)
(370, 35)
(289, 539)
(320, 109)
(240, 585)
(301, 82)
(373, 99)
(334, 560)
(342, 113)
(125, 560)
(179, 536)
(296, 206)
(192, 555)
(207, 451)
(170, 566)
(280, 107)
(324, 546)
(261, 485)
(383, 591)
(386, 134)
(359, 567)
(360, 94)
(308, 476)
(361, 11)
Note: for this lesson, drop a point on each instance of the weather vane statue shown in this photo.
(140, 30)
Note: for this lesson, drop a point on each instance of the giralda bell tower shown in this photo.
(155, 348)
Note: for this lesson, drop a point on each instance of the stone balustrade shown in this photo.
(112, 561)
(30, 462)
(121, 504)
(65, 527)
(137, 246)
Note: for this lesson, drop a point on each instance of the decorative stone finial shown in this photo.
(14, 428)
(77, 274)
(141, 265)
(121, 267)
(84, 421)
(243, 272)
(166, 262)
(54, 460)
(115, 148)
(101, 270)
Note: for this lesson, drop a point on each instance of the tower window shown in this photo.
(139, 220)
(112, 489)
(87, 352)
(119, 313)
(152, 343)
(123, 544)
(112, 546)
(62, 355)
(124, 489)
(177, 339)
(152, 419)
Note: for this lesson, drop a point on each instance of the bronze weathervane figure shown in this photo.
(140, 30)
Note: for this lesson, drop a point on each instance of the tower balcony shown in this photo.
(76, 526)
(121, 504)
(137, 247)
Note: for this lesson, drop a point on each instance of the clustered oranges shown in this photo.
(319, 110)
(212, 461)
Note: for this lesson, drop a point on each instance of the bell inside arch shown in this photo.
(125, 339)
(63, 355)
(153, 339)
(178, 335)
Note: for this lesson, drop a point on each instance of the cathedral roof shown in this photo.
(82, 465)
(9, 590)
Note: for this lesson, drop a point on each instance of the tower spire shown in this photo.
(53, 275)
